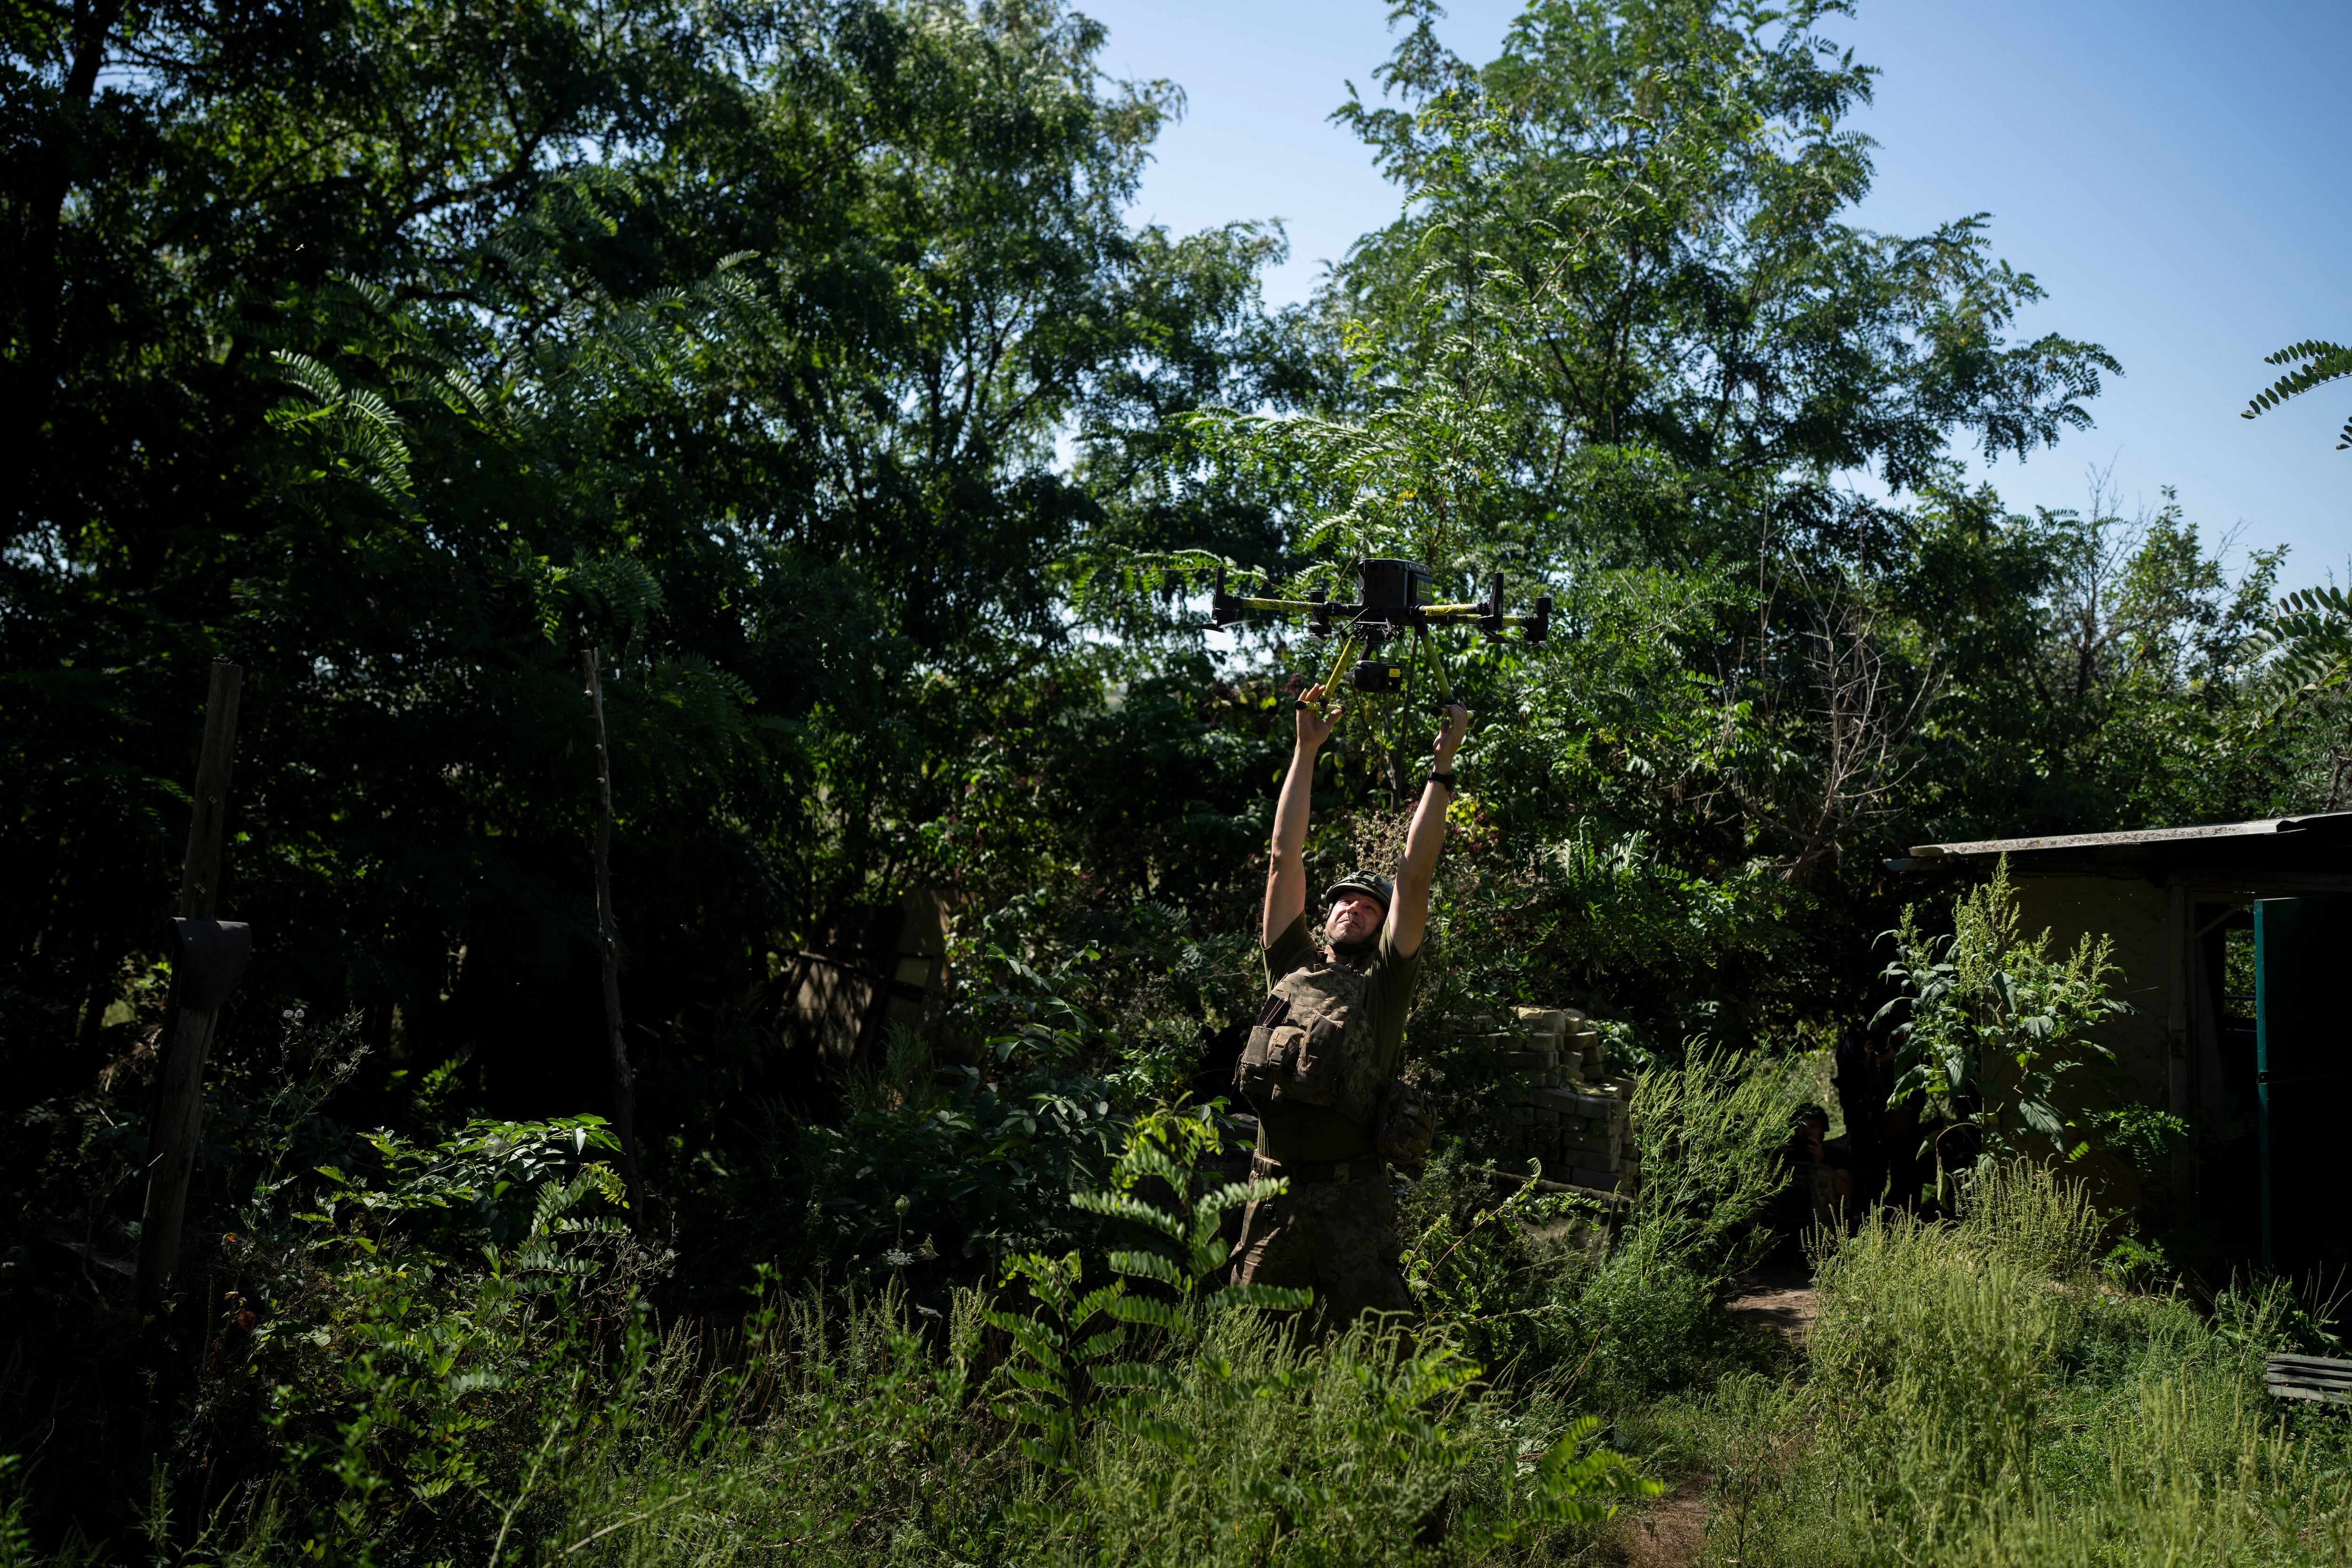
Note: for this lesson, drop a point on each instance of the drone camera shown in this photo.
(1318, 619)
(1538, 625)
(1376, 675)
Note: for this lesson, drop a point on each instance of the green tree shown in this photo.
(401, 352)
(1724, 315)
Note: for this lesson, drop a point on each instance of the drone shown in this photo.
(1391, 607)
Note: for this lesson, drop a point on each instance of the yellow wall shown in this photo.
(2133, 912)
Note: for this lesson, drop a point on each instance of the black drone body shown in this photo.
(1391, 605)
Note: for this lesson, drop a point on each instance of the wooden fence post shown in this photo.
(180, 1098)
(625, 1096)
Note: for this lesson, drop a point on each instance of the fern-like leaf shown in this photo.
(2316, 363)
(2305, 646)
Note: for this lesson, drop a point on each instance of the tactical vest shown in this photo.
(1313, 1045)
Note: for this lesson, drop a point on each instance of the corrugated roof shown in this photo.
(2328, 824)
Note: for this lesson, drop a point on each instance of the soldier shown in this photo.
(1320, 1067)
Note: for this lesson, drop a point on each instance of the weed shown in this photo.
(1980, 1394)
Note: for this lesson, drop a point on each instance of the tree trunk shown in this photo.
(625, 1096)
(180, 1098)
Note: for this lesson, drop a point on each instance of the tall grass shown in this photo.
(1359, 1451)
(1980, 1394)
(849, 1434)
(1123, 1414)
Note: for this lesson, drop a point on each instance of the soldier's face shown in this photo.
(1354, 918)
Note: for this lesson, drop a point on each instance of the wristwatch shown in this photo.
(1445, 778)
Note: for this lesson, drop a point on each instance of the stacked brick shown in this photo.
(1557, 1104)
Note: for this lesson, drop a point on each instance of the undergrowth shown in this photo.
(458, 1350)
(1121, 1407)
(1982, 1393)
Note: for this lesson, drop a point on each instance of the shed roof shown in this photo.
(2330, 826)
(2283, 853)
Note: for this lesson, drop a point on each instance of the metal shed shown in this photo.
(2235, 942)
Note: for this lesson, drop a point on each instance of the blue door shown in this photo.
(2303, 1067)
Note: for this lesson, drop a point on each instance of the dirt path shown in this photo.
(1672, 1532)
(1780, 1299)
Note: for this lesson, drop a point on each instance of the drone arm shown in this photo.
(1227, 609)
(1473, 613)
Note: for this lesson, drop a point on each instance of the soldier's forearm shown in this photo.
(1409, 915)
(1292, 807)
(1426, 837)
(1286, 875)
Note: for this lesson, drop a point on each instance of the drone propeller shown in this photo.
(1490, 614)
(1225, 610)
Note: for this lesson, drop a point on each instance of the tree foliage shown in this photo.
(2316, 363)
(803, 357)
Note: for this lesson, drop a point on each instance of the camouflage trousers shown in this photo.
(1336, 1239)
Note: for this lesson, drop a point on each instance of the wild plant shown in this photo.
(1491, 1274)
(1710, 1131)
(1620, 1301)
(416, 1396)
(1992, 1023)
(1980, 1394)
(1063, 1346)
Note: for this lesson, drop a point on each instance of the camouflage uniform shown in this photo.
(1317, 1094)
(1337, 1238)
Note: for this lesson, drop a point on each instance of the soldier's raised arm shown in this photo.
(1409, 913)
(1286, 871)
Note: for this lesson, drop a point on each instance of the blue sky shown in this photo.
(2174, 174)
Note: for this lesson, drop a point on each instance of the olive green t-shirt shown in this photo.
(1317, 1133)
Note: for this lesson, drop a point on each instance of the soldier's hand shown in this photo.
(1457, 724)
(1314, 726)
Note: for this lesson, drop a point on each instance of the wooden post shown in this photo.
(180, 1098)
(624, 1097)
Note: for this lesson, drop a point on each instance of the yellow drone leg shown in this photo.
(1437, 663)
(1331, 681)
(1403, 717)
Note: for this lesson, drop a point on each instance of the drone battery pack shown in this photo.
(1377, 674)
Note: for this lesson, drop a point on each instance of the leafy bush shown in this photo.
(1989, 1000)
(965, 1164)
(1620, 1305)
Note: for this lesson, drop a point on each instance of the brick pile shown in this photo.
(1557, 1103)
